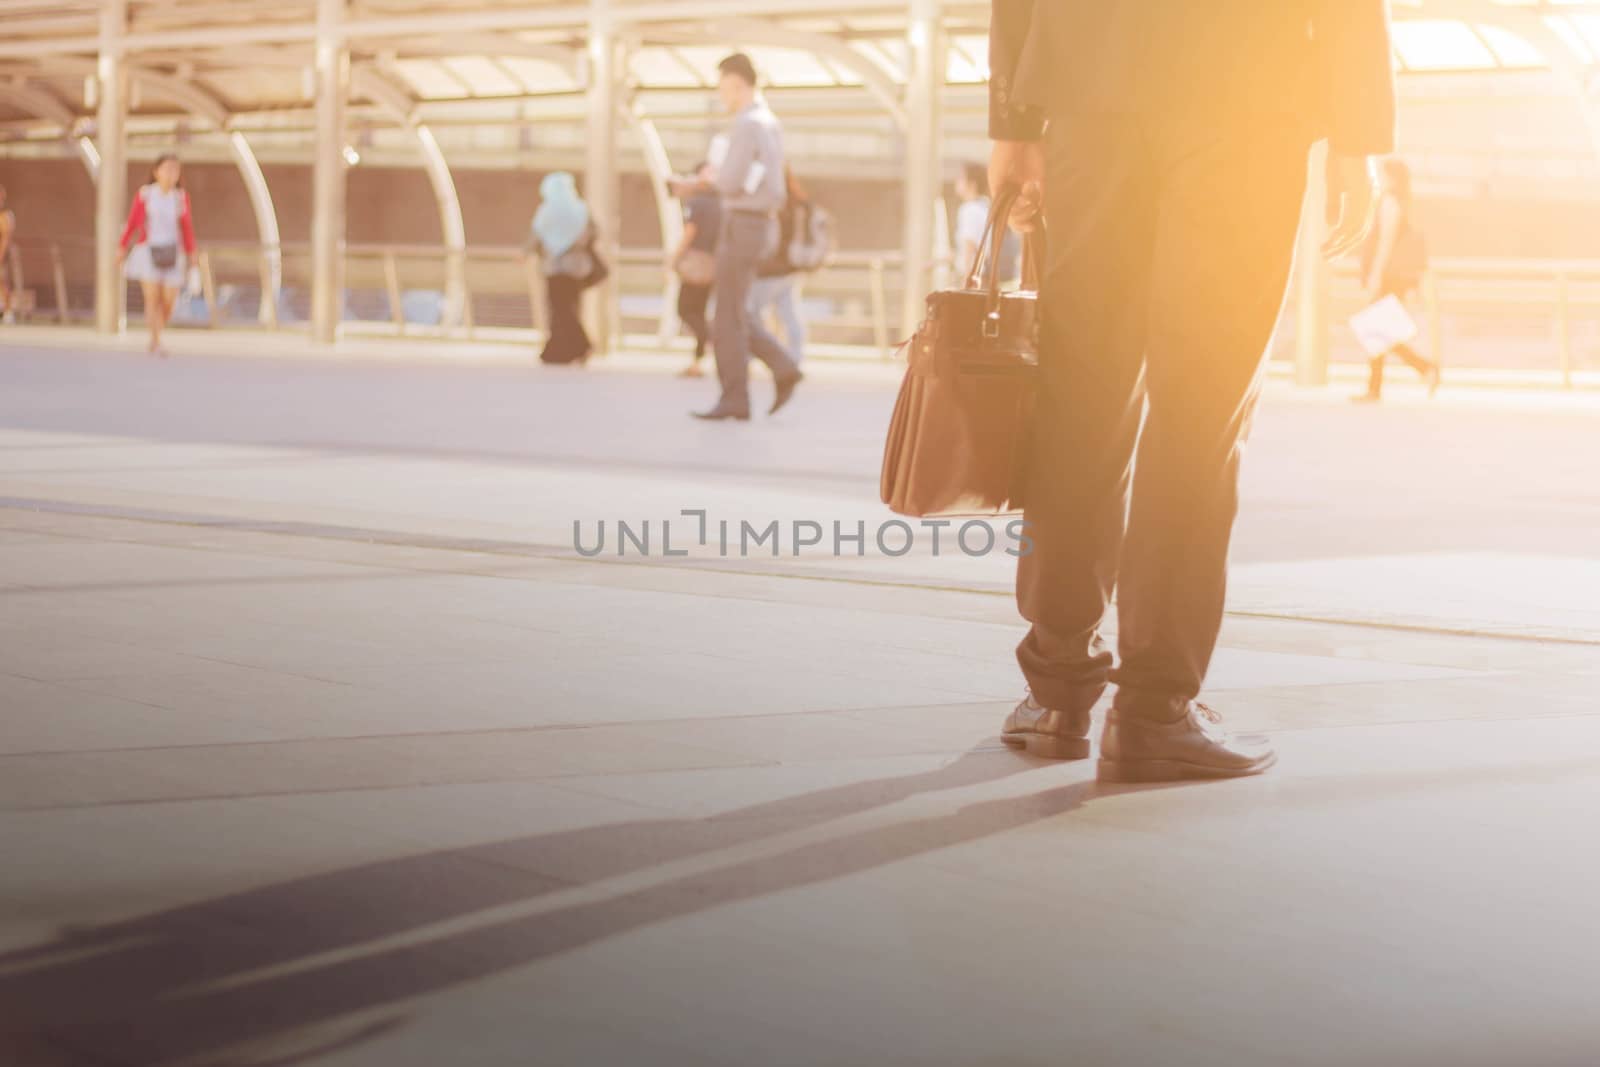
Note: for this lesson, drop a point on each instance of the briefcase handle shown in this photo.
(989, 246)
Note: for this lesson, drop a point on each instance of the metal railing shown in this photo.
(1527, 315)
(400, 289)
(1538, 316)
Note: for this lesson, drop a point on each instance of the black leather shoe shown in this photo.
(1045, 733)
(723, 411)
(1195, 746)
(785, 391)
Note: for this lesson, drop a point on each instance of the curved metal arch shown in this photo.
(43, 104)
(369, 81)
(670, 219)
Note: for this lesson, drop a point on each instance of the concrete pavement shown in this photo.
(319, 743)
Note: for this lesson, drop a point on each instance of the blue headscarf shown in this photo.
(562, 215)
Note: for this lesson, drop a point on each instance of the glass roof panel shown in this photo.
(538, 75)
(429, 80)
(1588, 27)
(1568, 33)
(841, 75)
(662, 68)
(704, 58)
(790, 67)
(1509, 49)
(482, 76)
(890, 54)
(969, 60)
(1438, 44)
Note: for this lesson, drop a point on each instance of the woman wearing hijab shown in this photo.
(564, 236)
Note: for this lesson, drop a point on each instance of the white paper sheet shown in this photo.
(754, 177)
(1383, 325)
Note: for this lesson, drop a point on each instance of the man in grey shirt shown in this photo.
(750, 177)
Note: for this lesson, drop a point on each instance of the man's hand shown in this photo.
(1019, 165)
(1352, 203)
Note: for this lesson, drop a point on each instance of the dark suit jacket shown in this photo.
(1217, 62)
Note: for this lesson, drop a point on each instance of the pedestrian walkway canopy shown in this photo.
(79, 72)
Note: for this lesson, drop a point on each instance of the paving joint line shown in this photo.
(533, 550)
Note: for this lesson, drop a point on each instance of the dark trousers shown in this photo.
(567, 343)
(692, 301)
(747, 239)
(1405, 354)
(1169, 254)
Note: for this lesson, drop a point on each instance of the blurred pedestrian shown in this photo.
(972, 218)
(1393, 262)
(777, 278)
(695, 261)
(160, 230)
(564, 238)
(748, 172)
(8, 226)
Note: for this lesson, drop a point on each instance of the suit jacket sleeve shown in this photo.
(1010, 23)
(1353, 37)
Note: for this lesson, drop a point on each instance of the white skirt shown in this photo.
(140, 268)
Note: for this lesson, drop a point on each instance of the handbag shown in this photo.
(697, 267)
(957, 441)
(164, 257)
(598, 271)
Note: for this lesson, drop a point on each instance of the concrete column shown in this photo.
(924, 162)
(601, 186)
(111, 191)
(1312, 278)
(332, 70)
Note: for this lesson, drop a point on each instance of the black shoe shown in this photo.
(722, 411)
(1194, 746)
(785, 391)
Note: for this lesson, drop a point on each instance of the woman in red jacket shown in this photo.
(160, 228)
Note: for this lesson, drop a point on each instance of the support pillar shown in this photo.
(111, 191)
(1312, 278)
(332, 77)
(924, 163)
(601, 186)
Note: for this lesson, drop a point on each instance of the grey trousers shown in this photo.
(737, 335)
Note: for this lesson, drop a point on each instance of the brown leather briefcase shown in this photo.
(958, 441)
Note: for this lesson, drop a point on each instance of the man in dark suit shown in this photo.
(1165, 144)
